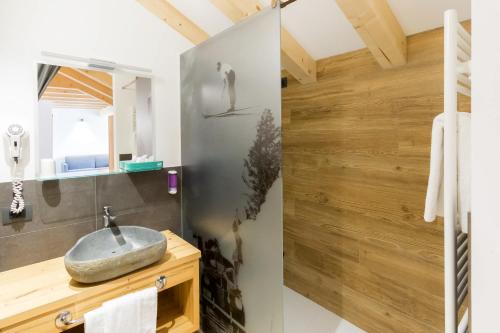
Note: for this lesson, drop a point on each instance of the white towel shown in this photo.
(132, 313)
(94, 320)
(434, 198)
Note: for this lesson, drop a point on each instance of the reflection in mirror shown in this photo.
(89, 121)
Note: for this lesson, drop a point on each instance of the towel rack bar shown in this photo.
(463, 325)
(464, 68)
(461, 55)
(461, 237)
(65, 318)
(462, 249)
(464, 80)
(463, 284)
(462, 261)
(461, 297)
(461, 273)
(464, 45)
(463, 90)
(463, 33)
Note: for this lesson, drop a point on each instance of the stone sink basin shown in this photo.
(110, 252)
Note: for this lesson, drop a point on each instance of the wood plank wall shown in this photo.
(356, 158)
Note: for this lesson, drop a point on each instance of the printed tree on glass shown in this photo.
(262, 166)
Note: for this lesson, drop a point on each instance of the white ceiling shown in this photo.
(321, 27)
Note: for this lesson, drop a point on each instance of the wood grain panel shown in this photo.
(355, 163)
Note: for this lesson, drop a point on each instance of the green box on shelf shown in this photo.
(130, 166)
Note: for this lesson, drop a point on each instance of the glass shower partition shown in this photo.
(232, 185)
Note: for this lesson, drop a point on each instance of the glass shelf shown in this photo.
(86, 174)
(80, 174)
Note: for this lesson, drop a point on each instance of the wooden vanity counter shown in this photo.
(32, 296)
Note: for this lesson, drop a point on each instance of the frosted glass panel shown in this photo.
(232, 187)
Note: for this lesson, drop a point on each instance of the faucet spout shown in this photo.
(108, 217)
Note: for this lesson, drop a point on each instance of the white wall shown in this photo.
(124, 104)
(44, 144)
(144, 118)
(71, 136)
(485, 165)
(115, 30)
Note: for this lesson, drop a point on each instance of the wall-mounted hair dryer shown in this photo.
(15, 134)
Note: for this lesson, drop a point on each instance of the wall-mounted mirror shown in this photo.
(89, 121)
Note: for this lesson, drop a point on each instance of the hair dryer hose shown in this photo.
(17, 205)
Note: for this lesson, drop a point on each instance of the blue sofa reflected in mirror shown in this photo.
(84, 163)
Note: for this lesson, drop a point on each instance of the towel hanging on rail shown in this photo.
(434, 198)
(132, 313)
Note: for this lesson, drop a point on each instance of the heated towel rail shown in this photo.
(457, 56)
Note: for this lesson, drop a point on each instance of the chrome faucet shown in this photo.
(108, 217)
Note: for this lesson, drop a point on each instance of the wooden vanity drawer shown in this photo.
(42, 323)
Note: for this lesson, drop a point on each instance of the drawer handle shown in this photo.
(161, 282)
(65, 318)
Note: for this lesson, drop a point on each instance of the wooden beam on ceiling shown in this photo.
(295, 58)
(59, 90)
(56, 95)
(65, 101)
(379, 28)
(67, 82)
(174, 18)
(101, 77)
(80, 106)
(87, 80)
(231, 10)
(72, 100)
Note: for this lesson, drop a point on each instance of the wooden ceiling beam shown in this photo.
(60, 90)
(64, 81)
(81, 88)
(294, 57)
(77, 75)
(175, 19)
(103, 78)
(231, 10)
(48, 95)
(80, 106)
(72, 103)
(72, 100)
(379, 28)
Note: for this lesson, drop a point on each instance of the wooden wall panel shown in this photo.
(356, 158)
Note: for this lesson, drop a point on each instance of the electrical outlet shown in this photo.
(26, 216)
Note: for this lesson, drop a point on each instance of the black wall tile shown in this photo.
(64, 201)
(31, 247)
(66, 210)
(55, 203)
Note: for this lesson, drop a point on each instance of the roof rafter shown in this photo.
(175, 19)
(295, 58)
(379, 28)
(65, 81)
